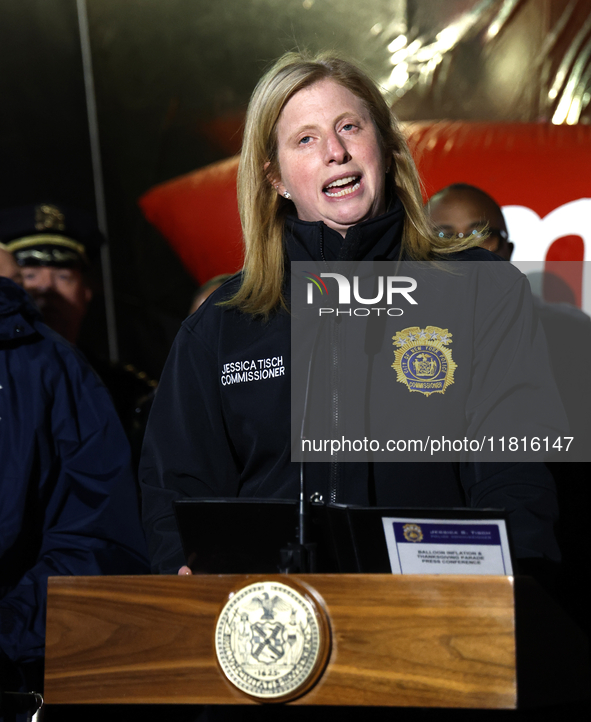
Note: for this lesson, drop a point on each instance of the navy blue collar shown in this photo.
(375, 239)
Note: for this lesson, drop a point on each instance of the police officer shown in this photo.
(56, 248)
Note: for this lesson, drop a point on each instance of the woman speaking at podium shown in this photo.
(325, 175)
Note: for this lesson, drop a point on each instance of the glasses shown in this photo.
(487, 234)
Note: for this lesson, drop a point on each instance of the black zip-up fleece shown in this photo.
(209, 435)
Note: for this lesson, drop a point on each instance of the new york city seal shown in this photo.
(271, 641)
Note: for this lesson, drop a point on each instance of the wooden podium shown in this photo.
(426, 641)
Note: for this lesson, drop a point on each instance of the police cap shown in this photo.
(50, 235)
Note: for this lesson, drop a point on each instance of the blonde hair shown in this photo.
(263, 211)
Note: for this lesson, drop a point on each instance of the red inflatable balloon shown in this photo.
(538, 173)
(197, 213)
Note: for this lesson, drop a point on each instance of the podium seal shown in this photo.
(272, 641)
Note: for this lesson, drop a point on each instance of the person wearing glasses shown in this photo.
(462, 210)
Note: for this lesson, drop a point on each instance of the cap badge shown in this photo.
(49, 218)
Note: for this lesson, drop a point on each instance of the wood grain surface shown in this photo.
(428, 641)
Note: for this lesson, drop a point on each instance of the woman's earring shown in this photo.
(286, 195)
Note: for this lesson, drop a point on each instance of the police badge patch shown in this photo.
(271, 641)
(412, 533)
(423, 360)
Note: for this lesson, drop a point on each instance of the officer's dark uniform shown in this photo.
(68, 503)
(63, 237)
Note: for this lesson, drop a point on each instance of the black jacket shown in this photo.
(208, 437)
(68, 500)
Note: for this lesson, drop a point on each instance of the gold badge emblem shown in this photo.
(48, 217)
(412, 532)
(423, 360)
(271, 641)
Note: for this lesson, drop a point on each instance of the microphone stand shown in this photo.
(299, 557)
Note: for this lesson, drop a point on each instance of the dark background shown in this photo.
(172, 81)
